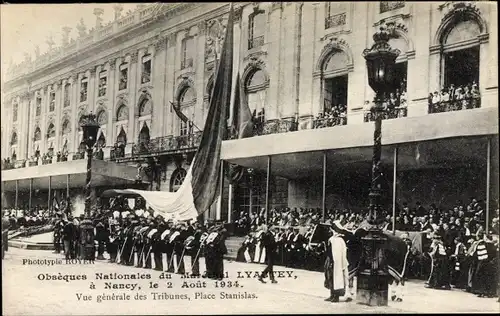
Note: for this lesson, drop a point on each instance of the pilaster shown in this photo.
(92, 89)
(170, 82)
(75, 100)
(112, 88)
(134, 79)
(288, 60)
(159, 76)
(43, 121)
(57, 118)
(200, 83)
(307, 59)
(275, 27)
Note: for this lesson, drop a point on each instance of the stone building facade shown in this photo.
(296, 60)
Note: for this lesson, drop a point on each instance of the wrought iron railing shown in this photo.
(167, 143)
(387, 114)
(321, 122)
(335, 20)
(275, 127)
(78, 156)
(186, 63)
(472, 102)
(256, 42)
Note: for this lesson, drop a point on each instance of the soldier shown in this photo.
(148, 249)
(58, 227)
(164, 244)
(113, 243)
(102, 235)
(210, 252)
(157, 244)
(173, 249)
(298, 249)
(220, 251)
(68, 236)
(268, 239)
(140, 245)
(180, 247)
(288, 247)
(127, 254)
(439, 277)
(199, 240)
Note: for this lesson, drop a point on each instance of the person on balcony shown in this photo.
(436, 100)
(475, 94)
(403, 105)
(445, 100)
(367, 111)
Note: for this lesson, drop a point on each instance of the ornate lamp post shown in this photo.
(373, 277)
(90, 128)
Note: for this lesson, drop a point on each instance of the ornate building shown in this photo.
(302, 68)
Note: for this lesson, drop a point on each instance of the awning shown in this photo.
(431, 141)
(124, 193)
(104, 173)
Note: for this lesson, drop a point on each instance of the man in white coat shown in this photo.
(336, 265)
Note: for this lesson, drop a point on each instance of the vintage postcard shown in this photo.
(250, 158)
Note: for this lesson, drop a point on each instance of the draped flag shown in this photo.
(241, 126)
(200, 186)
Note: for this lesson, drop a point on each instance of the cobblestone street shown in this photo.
(302, 293)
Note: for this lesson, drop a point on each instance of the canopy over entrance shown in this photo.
(104, 173)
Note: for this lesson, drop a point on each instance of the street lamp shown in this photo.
(90, 128)
(373, 279)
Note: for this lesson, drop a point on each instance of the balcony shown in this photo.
(335, 20)
(256, 42)
(186, 63)
(274, 127)
(455, 99)
(388, 114)
(329, 121)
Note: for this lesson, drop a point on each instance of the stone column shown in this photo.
(274, 34)
(288, 60)
(199, 66)
(307, 60)
(31, 126)
(92, 89)
(75, 100)
(43, 121)
(171, 61)
(111, 92)
(317, 82)
(58, 87)
(134, 79)
(159, 60)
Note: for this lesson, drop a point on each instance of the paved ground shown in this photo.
(24, 294)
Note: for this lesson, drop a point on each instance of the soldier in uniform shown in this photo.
(68, 236)
(220, 251)
(269, 241)
(157, 244)
(173, 247)
(148, 241)
(288, 247)
(198, 243)
(127, 254)
(440, 275)
(210, 253)
(58, 227)
(113, 243)
(101, 236)
(141, 242)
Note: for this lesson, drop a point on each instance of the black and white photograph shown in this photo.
(231, 158)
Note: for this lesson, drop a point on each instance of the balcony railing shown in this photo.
(187, 63)
(166, 144)
(387, 114)
(455, 99)
(256, 42)
(322, 122)
(335, 20)
(275, 127)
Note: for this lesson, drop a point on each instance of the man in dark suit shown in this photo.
(68, 236)
(270, 246)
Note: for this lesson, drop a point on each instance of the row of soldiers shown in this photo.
(154, 243)
(293, 248)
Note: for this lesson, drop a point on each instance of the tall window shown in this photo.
(52, 104)
(13, 139)
(144, 135)
(335, 14)
(83, 89)
(14, 112)
(256, 90)
(256, 29)
(177, 178)
(51, 131)
(38, 134)
(146, 69)
(103, 83)
(38, 110)
(187, 100)
(122, 85)
(187, 52)
(67, 91)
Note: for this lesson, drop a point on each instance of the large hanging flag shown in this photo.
(177, 110)
(242, 126)
(200, 186)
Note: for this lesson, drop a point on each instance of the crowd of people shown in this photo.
(8, 164)
(135, 237)
(24, 217)
(453, 98)
(336, 115)
(454, 241)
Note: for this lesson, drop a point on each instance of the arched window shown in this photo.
(51, 131)
(13, 139)
(102, 117)
(145, 107)
(38, 134)
(188, 49)
(14, 112)
(122, 113)
(401, 68)
(101, 141)
(38, 110)
(187, 96)
(80, 121)
(121, 139)
(335, 82)
(177, 178)
(210, 89)
(144, 135)
(256, 90)
(460, 53)
(257, 23)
